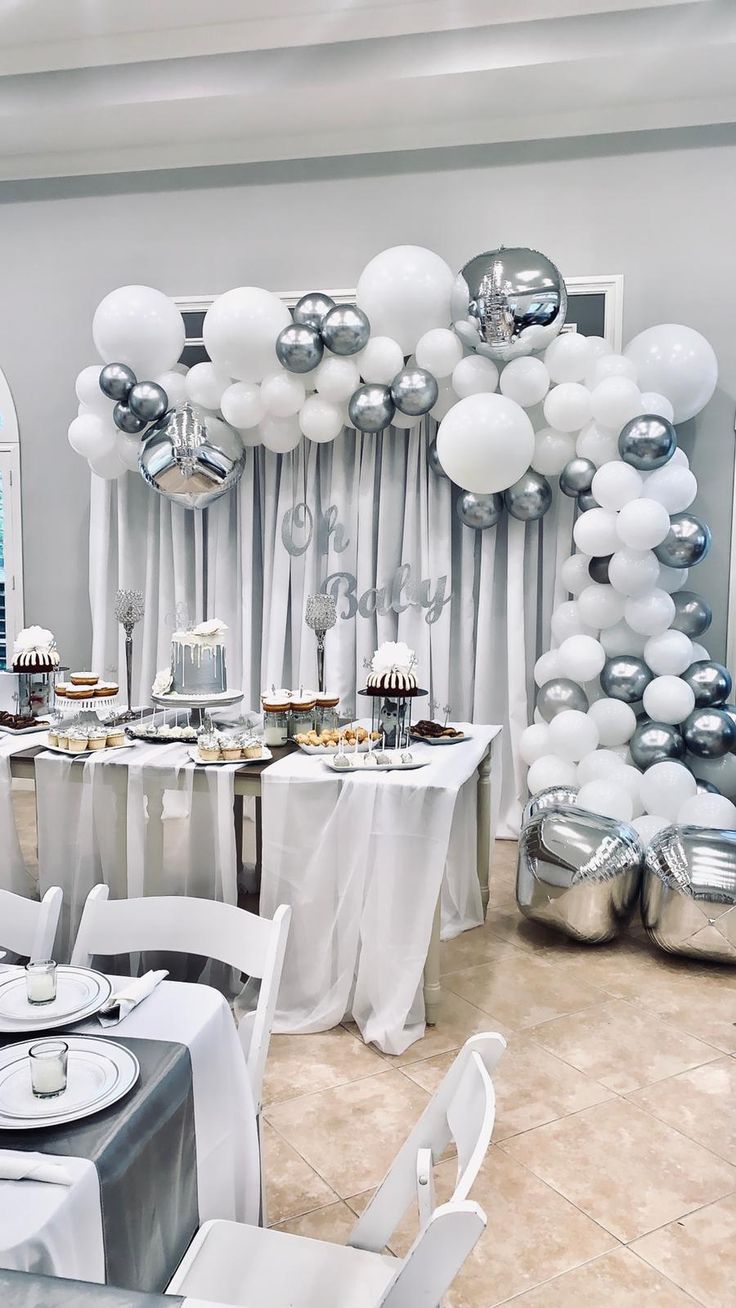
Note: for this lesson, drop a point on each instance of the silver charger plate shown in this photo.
(99, 1072)
(193, 752)
(80, 993)
(357, 764)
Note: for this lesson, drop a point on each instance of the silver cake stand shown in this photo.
(198, 704)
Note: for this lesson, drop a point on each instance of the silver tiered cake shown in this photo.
(198, 660)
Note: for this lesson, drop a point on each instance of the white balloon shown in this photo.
(141, 327)
(128, 449)
(568, 357)
(652, 402)
(242, 405)
(567, 621)
(649, 825)
(89, 394)
(280, 434)
(380, 360)
(675, 488)
(615, 484)
(614, 401)
(597, 765)
(708, 811)
(549, 770)
(607, 798)
(598, 346)
(609, 365)
(404, 420)
(616, 721)
(699, 652)
(336, 378)
(633, 572)
(525, 380)
(600, 606)
(552, 449)
(677, 362)
(679, 459)
(622, 640)
(92, 436)
(672, 579)
(567, 406)
(595, 532)
(109, 466)
(439, 351)
(597, 444)
(240, 330)
(474, 376)
(665, 787)
(405, 292)
(581, 658)
(485, 443)
(282, 393)
(629, 777)
(668, 654)
(534, 742)
(572, 734)
(249, 437)
(574, 573)
(320, 419)
(205, 385)
(643, 524)
(446, 400)
(547, 667)
(668, 699)
(650, 614)
(174, 383)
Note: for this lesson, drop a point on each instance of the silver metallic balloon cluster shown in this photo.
(137, 403)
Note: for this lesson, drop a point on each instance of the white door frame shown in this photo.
(13, 542)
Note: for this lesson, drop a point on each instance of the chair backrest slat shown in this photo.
(436, 1256)
(27, 927)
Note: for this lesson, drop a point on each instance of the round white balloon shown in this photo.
(609, 365)
(567, 621)
(673, 487)
(336, 378)
(568, 357)
(668, 699)
(567, 406)
(572, 734)
(280, 434)
(653, 403)
(595, 532)
(598, 764)
(708, 811)
(92, 436)
(615, 721)
(205, 385)
(141, 327)
(525, 380)
(174, 383)
(240, 330)
(581, 658)
(615, 484)
(549, 770)
(633, 572)
(242, 405)
(485, 443)
(405, 292)
(606, 797)
(474, 376)
(677, 362)
(648, 826)
(446, 400)
(534, 742)
(597, 444)
(89, 394)
(600, 606)
(669, 654)
(614, 401)
(643, 524)
(552, 449)
(665, 787)
(320, 420)
(439, 351)
(650, 614)
(547, 667)
(622, 640)
(574, 573)
(380, 360)
(672, 579)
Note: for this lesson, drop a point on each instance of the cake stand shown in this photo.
(88, 710)
(198, 704)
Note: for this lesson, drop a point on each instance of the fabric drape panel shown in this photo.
(366, 518)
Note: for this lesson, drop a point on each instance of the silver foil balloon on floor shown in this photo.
(578, 873)
(552, 797)
(689, 892)
(191, 457)
(506, 303)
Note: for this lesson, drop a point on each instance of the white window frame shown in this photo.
(13, 543)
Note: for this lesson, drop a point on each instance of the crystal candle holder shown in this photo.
(48, 1060)
(41, 981)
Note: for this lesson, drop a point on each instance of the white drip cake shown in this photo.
(35, 650)
(198, 660)
(392, 668)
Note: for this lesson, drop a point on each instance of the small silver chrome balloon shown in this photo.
(414, 390)
(587, 501)
(653, 742)
(529, 498)
(689, 892)
(710, 682)
(578, 872)
(371, 408)
(126, 421)
(706, 788)
(312, 308)
(625, 677)
(299, 347)
(191, 457)
(598, 569)
(506, 303)
(148, 400)
(577, 476)
(479, 511)
(345, 329)
(552, 797)
(433, 459)
(686, 543)
(709, 732)
(559, 694)
(730, 709)
(116, 380)
(693, 614)
(647, 442)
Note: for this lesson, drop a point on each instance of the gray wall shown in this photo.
(656, 207)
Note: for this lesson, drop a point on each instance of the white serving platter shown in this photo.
(39, 724)
(80, 993)
(439, 740)
(99, 1072)
(357, 764)
(193, 752)
(325, 750)
(173, 700)
(89, 753)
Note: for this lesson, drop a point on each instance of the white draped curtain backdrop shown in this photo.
(365, 518)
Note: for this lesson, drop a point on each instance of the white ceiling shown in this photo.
(99, 86)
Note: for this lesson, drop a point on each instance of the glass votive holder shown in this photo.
(48, 1061)
(41, 981)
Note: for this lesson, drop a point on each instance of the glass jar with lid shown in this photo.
(276, 724)
(326, 717)
(303, 704)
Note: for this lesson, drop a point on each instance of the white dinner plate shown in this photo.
(439, 740)
(193, 752)
(86, 753)
(357, 764)
(99, 1072)
(80, 992)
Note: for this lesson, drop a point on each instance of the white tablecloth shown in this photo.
(57, 1230)
(14, 874)
(362, 860)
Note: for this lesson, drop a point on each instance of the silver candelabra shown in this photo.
(129, 609)
(321, 614)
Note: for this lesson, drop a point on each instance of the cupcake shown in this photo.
(209, 748)
(62, 739)
(115, 737)
(251, 748)
(53, 736)
(78, 741)
(83, 679)
(230, 748)
(98, 737)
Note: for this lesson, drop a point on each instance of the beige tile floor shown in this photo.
(611, 1182)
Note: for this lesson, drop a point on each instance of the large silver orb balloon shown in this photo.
(299, 347)
(689, 892)
(709, 732)
(148, 400)
(345, 329)
(686, 543)
(577, 476)
(414, 390)
(693, 614)
(479, 511)
(653, 742)
(506, 303)
(598, 569)
(312, 308)
(371, 408)
(433, 459)
(647, 442)
(625, 677)
(529, 498)
(116, 380)
(191, 457)
(552, 797)
(559, 694)
(587, 501)
(578, 872)
(710, 682)
(127, 421)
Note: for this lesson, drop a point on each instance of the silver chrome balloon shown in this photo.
(371, 408)
(299, 347)
(559, 694)
(191, 457)
(479, 511)
(647, 442)
(577, 476)
(345, 329)
(730, 709)
(414, 390)
(710, 682)
(653, 742)
(127, 421)
(693, 614)
(116, 380)
(312, 308)
(506, 303)
(552, 797)
(148, 400)
(689, 892)
(598, 569)
(578, 872)
(706, 788)
(709, 732)
(625, 677)
(433, 459)
(587, 501)
(529, 498)
(686, 543)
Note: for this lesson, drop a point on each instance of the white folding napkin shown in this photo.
(123, 1001)
(21, 1166)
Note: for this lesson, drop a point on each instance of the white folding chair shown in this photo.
(246, 1265)
(27, 927)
